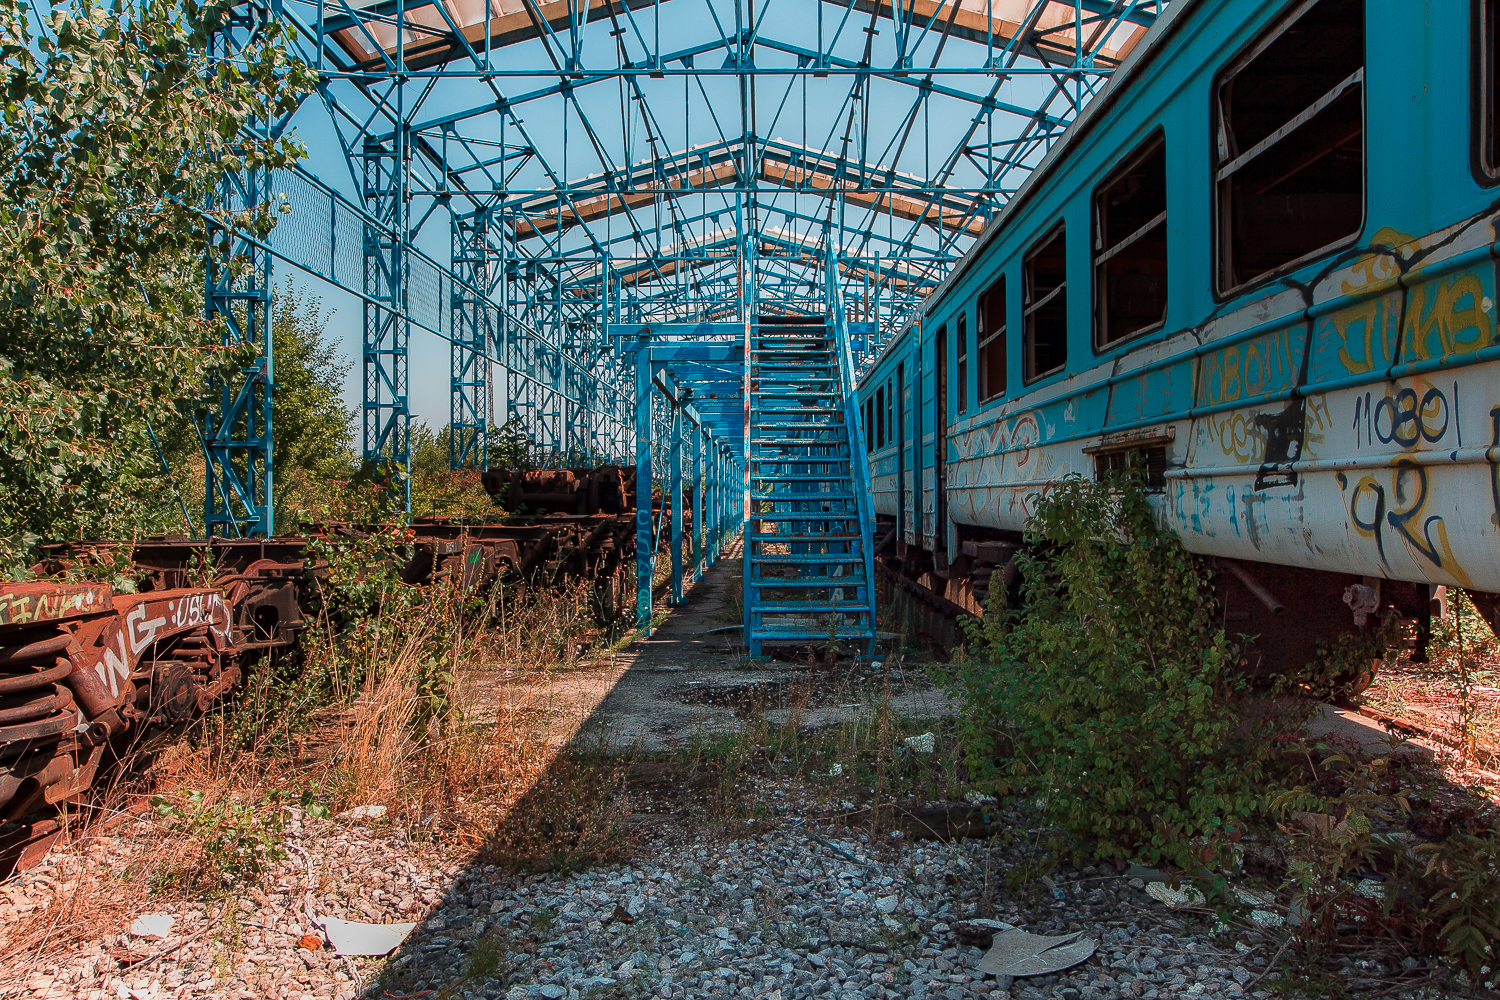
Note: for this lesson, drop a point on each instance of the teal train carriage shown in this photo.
(1260, 267)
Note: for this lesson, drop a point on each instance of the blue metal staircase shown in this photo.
(809, 570)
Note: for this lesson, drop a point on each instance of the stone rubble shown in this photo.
(783, 915)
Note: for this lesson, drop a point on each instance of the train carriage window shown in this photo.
(1487, 90)
(1130, 247)
(963, 364)
(890, 407)
(991, 332)
(880, 417)
(1290, 155)
(1044, 276)
(869, 426)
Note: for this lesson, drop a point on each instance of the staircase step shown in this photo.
(818, 557)
(800, 440)
(850, 582)
(831, 536)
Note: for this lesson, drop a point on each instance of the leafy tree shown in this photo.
(117, 128)
(438, 491)
(312, 429)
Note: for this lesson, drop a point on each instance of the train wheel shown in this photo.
(1354, 682)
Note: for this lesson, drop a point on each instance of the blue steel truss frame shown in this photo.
(236, 437)
(613, 162)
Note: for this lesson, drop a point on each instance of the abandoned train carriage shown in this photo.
(1261, 266)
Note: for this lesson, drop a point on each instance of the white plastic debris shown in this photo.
(1253, 898)
(926, 743)
(1017, 953)
(153, 925)
(1371, 888)
(836, 770)
(350, 938)
(1173, 898)
(364, 812)
(978, 798)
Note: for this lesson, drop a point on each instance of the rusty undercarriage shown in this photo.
(85, 669)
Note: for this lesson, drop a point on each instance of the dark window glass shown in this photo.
(1487, 83)
(991, 331)
(1290, 148)
(1130, 247)
(890, 407)
(1045, 273)
(869, 429)
(963, 364)
(880, 417)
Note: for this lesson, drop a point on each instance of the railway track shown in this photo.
(85, 669)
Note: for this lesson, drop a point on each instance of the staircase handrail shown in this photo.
(854, 419)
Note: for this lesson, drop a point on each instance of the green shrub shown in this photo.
(234, 842)
(1110, 693)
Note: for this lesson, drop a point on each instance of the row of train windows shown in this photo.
(1288, 185)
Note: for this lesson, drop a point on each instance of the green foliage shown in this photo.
(117, 128)
(235, 842)
(1449, 903)
(1331, 838)
(510, 446)
(1466, 899)
(1111, 695)
(437, 490)
(313, 428)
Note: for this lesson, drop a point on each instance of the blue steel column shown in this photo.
(699, 439)
(468, 415)
(238, 481)
(645, 543)
(238, 495)
(387, 328)
(676, 487)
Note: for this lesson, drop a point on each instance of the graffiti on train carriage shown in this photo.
(1398, 499)
(1252, 369)
(1407, 416)
(1450, 315)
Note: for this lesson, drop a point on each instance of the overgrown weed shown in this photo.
(858, 765)
(1111, 695)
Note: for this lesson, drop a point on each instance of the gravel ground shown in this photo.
(791, 912)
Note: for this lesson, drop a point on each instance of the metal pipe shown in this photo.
(1254, 586)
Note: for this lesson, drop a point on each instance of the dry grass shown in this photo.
(1453, 698)
(508, 785)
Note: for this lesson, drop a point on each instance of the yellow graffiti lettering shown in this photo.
(1379, 265)
(1363, 320)
(1446, 317)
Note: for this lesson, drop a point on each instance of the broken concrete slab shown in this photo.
(1348, 730)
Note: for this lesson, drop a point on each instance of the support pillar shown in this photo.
(476, 264)
(645, 542)
(675, 485)
(238, 496)
(387, 329)
(700, 437)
